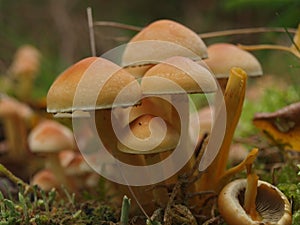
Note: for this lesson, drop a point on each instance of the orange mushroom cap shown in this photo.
(223, 56)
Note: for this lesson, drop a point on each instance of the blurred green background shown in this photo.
(58, 28)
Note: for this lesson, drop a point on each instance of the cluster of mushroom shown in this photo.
(63, 166)
(163, 51)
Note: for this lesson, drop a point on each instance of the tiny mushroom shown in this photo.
(223, 56)
(46, 180)
(49, 138)
(24, 70)
(16, 118)
(271, 204)
(282, 126)
(158, 41)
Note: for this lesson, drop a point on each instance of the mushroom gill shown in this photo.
(271, 204)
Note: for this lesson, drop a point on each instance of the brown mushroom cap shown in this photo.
(46, 180)
(182, 71)
(271, 204)
(140, 129)
(223, 56)
(26, 62)
(50, 136)
(78, 88)
(160, 40)
(10, 106)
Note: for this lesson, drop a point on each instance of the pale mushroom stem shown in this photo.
(250, 195)
(53, 164)
(15, 133)
(24, 88)
(109, 139)
(234, 98)
(185, 137)
(160, 191)
(234, 170)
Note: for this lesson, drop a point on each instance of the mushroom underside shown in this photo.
(269, 204)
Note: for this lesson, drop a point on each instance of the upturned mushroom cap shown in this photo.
(92, 83)
(283, 126)
(223, 56)
(184, 72)
(49, 137)
(271, 204)
(143, 130)
(160, 40)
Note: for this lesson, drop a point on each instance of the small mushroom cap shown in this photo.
(74, 163)
(26, 62)
(10, 106)
(223, 56)
(271, 204)
(187, 74)
(46, 180)
(92, 83)
(142, 129)
(49, 137)
(163, 39)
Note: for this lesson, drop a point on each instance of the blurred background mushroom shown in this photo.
(223, 56)
(16, 119)
(23, 71)
(47, 139)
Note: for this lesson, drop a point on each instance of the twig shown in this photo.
(176, 189)
(270, 47)
(246, 31)
(14, 179)
(91, 31)
(208, 34)
(211, 220)
(117, 25)
(200, 148)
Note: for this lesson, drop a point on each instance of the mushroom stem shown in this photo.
(109, 139)
(160, 191)
(234, 170)
(53, 164)
(15, 133)
(234, 98)
(250, 196)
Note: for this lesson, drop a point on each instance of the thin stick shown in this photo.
(208, 34)
(117, 25)
(270, 47)
(247, 31)
(91, 30)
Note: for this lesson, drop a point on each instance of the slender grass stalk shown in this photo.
(125, 211)
(14, 179)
